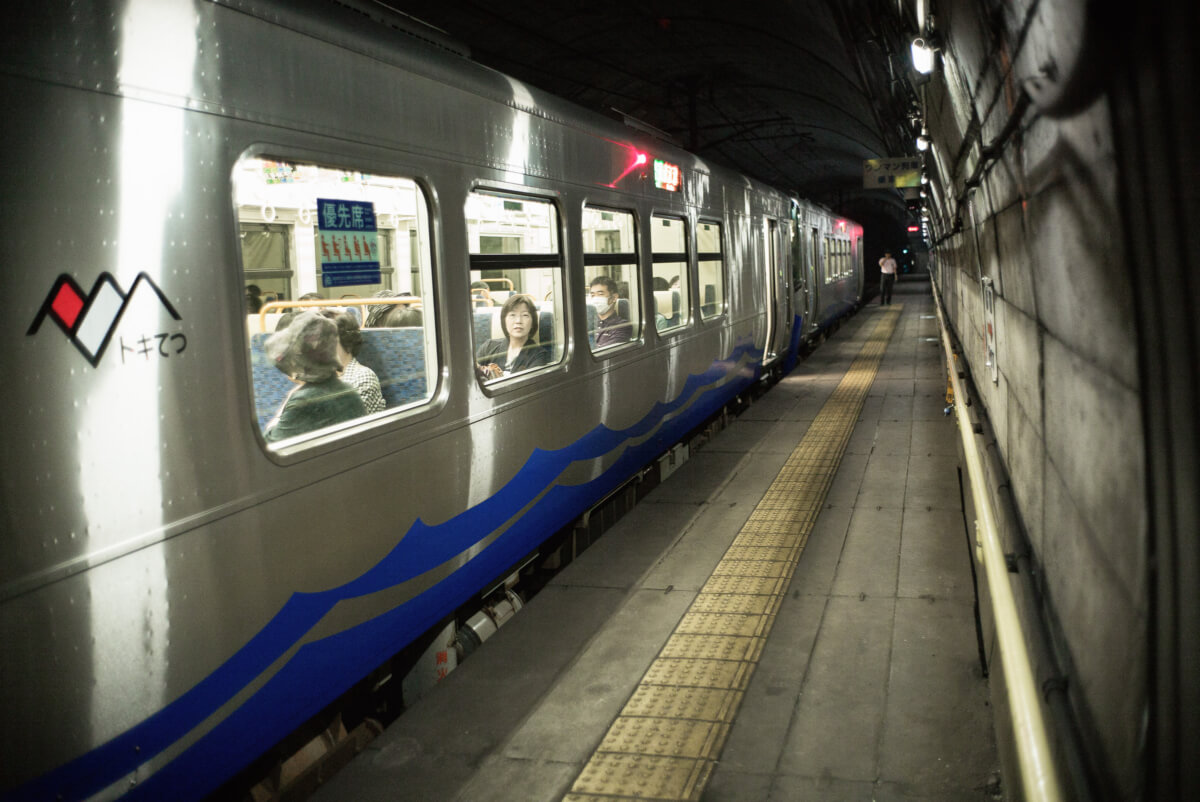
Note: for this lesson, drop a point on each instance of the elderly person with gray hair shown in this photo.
(307, 351)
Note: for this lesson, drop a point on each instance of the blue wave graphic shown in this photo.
(320, 671)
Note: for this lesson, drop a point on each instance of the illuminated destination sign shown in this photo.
(666, 175)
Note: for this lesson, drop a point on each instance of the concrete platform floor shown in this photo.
(869, 687)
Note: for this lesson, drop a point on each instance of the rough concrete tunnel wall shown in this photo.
(1044, 225)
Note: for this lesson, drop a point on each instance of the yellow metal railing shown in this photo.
(1039, 777)
(275, 306)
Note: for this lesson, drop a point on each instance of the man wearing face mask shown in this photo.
(611, 328)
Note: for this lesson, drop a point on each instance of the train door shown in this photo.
(765, 267)
(802, 285)
(858, 267)
(779, 302)
(783, 285)
(816, 275)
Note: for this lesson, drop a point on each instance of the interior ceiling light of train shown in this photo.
(795, 94)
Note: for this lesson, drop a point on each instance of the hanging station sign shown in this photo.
(892, 173)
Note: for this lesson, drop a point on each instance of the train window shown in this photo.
(711, 269)
(265, 255)
(343, 256)
(610, 270)
(516, 284)
(672, 304)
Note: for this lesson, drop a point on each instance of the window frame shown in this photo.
(637, 316)
(723, 302)
(286, 274)
(477, 263)
(674, 257)
(348, 432)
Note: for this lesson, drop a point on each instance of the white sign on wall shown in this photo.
(989, 327)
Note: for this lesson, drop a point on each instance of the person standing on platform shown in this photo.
(887, 277)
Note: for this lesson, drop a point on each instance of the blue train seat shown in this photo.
(484, 316)
(398, 358)
(593, 321)
(667, 305)
(546, 332)
(396, 355)
(270, 385)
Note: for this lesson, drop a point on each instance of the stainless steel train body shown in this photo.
(827, 270)
(177, 594)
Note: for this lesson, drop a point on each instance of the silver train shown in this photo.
(178, 593)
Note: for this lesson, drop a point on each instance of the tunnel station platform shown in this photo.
(789, 616)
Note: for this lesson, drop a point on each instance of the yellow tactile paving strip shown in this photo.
(666, 740)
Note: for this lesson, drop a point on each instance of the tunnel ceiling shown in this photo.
(796, 94)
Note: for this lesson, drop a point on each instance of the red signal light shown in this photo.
(638, 159)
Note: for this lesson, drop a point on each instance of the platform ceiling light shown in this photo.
(922, 55)
(923, 141)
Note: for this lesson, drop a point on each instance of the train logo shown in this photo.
(90, 320)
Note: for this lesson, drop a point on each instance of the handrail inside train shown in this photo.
(272, 306)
